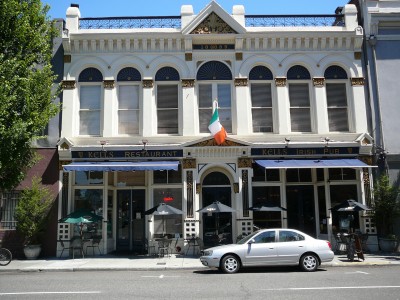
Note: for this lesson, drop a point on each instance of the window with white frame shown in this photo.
(261, 99)
(167, 80)
(299, 97)
(128, 101)
(215, 83)
(90, 92)
(336, 98)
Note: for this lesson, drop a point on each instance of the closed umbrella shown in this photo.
(163, 209)
(350, 206)
(267, 207)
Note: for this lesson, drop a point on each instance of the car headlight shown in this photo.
(207, 252)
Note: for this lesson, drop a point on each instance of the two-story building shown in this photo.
(138, 99)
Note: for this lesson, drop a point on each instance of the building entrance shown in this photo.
(130, 221)
(300, 208)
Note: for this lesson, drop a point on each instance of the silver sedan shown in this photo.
(270, 247)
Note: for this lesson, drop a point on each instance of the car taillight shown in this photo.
(329, 244)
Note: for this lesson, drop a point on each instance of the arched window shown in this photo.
(215, 83)
(299, 97)
(261, 99)
(90, 104)
(167, 80)
(336, 98)
(128, 100)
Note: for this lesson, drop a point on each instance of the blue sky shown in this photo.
(119, 8)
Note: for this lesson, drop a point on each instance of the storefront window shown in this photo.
(342, 174)
(169, 225)
(88, 177)
(262, 174)
(136, 178)
(267, 195)
(298, 175)
(343, 221)
(91, 200)
(169, 176)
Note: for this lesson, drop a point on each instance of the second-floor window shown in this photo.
(336, 97)
(128, 101)
(299, 97)
(167, 80)
(261, 99)
(90, 104)
(215, 83)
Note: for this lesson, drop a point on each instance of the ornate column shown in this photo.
(108, 107)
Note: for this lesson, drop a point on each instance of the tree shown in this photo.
(26, 80)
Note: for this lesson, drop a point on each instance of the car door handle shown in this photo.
(301, 246)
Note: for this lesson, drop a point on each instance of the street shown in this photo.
(266, 283)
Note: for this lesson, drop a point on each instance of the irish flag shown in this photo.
(215, 127)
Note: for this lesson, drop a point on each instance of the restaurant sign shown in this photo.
(305, 151)
(127, 154)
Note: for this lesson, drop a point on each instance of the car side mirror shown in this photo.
(252, 241)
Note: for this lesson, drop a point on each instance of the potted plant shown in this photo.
(31, 214)
(386, 208)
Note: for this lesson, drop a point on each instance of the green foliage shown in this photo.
(32, 211)
(386, 207)
(26, 80)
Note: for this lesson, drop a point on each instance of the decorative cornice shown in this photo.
(319, 81)
(245, 162)
(148, 83)
(359, 81)
(109, 84)
(68, 84)
(280, 81)
(239, 56)
(187, 83)
(241, 81)
(61, 163)
(212, 142)
(189, 163)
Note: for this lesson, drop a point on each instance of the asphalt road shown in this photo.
(267, 283)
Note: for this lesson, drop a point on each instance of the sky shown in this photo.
(130, 8)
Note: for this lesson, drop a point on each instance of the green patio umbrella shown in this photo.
(81, 216)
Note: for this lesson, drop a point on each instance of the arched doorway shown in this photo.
(217, 227)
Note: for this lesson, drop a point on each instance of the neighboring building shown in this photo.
(137, 103)
(46, 169)
(381, 21)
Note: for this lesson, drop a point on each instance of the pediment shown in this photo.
(64, 144)
(213, 19)
(210, 142)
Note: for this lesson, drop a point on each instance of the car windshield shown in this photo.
(247, 238)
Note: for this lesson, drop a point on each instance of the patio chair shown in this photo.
(150, 247)
(95, 244)
(163, 247)
(77, 244)
(64, 246)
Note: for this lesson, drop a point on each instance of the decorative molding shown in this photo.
(188, 83)
(280, 81)
(148, 83)
(357, 81)
(239, 56)
(241, 81)
(357, 55)
(213, 24)
(319, 81)
(109, 84)
(61, 163)
(188, 56)
(189, 163)
(236, 187)
(68, 84)
(245, 162)
(212, 142)
(67, 59)
(64, 146)
(198, 188)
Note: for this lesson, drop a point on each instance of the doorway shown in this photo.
(301, 208)
(217, 227)
(130, 221)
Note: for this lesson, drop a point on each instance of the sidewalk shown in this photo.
(109, 262)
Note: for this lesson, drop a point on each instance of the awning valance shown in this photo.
(121, 166)
(311, 163)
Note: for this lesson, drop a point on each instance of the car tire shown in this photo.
(230, 264)
(309, 262)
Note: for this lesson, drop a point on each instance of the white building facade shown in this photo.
(137, 105)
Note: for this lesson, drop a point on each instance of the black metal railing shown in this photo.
(130, 22)
(294, 21)
(175, 21)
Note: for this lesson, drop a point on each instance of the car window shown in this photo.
(290, 236)
(265, 237)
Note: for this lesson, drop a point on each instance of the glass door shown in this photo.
(300, 208)
(131, 221)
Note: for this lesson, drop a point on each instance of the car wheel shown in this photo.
(230, 264)
(309, 262)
